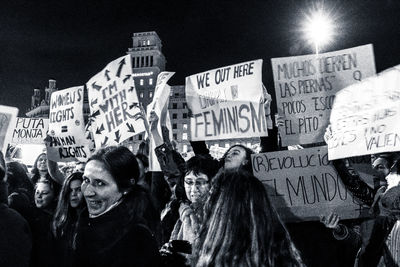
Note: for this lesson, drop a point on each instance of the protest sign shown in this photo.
(160, 106)
(67, 140)
(365, 117)
(30, 131)
(303, 184)
(8, 116)
(225, 102)
(114, 107)
(305, 88)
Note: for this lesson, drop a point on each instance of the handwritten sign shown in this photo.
(30, 131)
(66, 126)
(8, 116)
(115, 112)
(305, 88)
(160, 106)
(303, 185)
(365, 117)
(225, 102)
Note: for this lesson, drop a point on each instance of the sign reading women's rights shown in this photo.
(305, 88)
(30, 131)
(365, 117)
(8, 116)
(66, 141)
(225, 102)
(114, 107)
(303, 185)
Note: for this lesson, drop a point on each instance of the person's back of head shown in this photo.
(241, 228)
(17, 178)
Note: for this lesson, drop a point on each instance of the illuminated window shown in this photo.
(184, 136)
(151, 81)
(184, 126)
(141, 95)
(184, 148)
(150, 94)
(141, 81)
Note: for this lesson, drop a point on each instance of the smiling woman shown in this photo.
(119, 225)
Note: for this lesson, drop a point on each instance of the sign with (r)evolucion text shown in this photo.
(303, 184)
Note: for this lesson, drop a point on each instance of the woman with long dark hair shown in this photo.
(241, 228)
(237, 156)
(40, 222)
(118, 227)
(40, 170)
(69, 206)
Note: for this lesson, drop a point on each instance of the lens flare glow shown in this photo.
(318, 29)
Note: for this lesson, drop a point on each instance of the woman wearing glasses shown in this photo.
(190, 183)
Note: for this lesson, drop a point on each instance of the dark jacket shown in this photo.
(353, 182)
(120, 237)
(173, 167)
(43, 249)
(15, 238)
(376, 249)
(65, 241)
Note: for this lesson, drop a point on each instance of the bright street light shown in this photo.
(318, 29)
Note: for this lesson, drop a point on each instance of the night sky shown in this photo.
(71, 41)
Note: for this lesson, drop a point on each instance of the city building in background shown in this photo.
(40, 103)
(147, 62)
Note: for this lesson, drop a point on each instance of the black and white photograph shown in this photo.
(200, 133)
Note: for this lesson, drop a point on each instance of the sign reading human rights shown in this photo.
(305, 88)
(365, 117)
(160, 106)
(225, 102)
(8, 116)
(114, 107)
(30, 131)
(66, 135)
(303, 184)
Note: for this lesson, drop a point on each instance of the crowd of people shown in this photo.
(111, 211)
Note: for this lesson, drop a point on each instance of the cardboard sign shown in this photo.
(114, 107)
(160, 106)
(8, 116)
(305, 88)
(30, 131)
(67, 140)
(225, 102)
(303, 185)
(365, 117)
